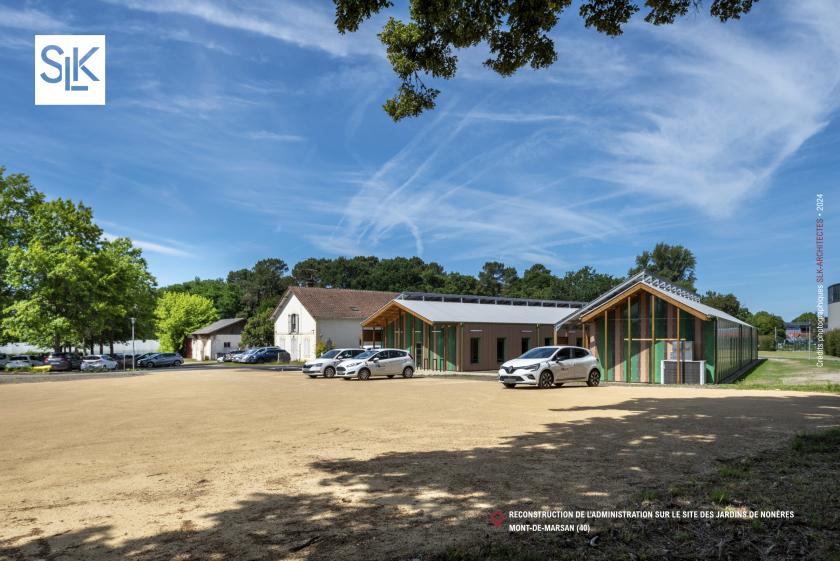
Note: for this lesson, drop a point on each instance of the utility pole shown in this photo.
(132, 344)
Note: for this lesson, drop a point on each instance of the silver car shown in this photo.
(22, 361)
(548, 366)
(377, 362)
(325, 364)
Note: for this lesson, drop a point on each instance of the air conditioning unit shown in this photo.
(683, 372)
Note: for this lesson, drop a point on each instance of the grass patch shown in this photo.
(799, 476)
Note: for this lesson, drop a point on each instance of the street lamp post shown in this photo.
(132, 344)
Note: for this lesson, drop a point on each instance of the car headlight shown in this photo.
(532, 367)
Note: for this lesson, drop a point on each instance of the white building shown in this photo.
(833, 307)
(307, 315)
(219, 337)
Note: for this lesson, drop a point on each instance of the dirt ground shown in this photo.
(264, 465)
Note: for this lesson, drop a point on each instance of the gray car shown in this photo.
(549, 366)
(162, 359)
(325, 364)
(377, 362)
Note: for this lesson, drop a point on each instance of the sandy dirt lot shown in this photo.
(262, 465)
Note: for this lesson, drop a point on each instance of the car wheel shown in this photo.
(329, 372)
(176, 363)
(509, 386)
(148, 365)
(408, 372)
(546, 380)
(364, 374)
(594, 378)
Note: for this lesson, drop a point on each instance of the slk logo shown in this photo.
(69, 70)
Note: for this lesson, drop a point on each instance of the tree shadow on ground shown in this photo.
(404, 504)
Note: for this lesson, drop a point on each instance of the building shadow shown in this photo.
(403, 505)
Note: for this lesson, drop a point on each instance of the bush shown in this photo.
(831, 345)
(766, 343)
(321, 348)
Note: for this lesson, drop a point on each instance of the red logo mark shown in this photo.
(497, 517)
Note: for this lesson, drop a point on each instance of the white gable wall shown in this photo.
(340, 332)
(301, 344)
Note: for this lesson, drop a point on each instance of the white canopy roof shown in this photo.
(463, 312)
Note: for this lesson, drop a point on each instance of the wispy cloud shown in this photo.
(30, 19)
(304, 25)
(273, 136)
(722, 111)
(154, 247)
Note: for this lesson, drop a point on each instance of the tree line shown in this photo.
(65, 284)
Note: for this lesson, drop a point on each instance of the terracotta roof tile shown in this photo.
(338, 303)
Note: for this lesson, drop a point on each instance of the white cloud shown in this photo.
(154, 247)
(273, 136)
(30, 19)
(298, 24)
(721, 110)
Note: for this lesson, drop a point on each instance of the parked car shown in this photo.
(266, 354)
(378, 362)
(325, 364)
(230, 356)
(98, 363)
(547, 366)
(64, 361)
(22, 361)
(162, 359)
(4, 358)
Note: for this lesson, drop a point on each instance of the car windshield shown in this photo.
(92, 357)
(539, 352)
(366, 354)
(20, 358)
(331, 354)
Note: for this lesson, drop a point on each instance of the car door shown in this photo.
(581, 362)
(384, 364)
(398, 362)
(563, 364)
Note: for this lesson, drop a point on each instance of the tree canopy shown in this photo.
(178, 314)
(516, 32)
(62, 282)
(728, 303)
(673, 263)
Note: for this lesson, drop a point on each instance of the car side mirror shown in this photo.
(375, 360)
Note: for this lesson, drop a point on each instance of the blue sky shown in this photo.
(238, 130)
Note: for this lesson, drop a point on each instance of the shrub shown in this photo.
(766, 343)
(321, 348)
(831, 345)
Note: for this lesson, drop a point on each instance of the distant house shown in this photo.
(307, 315)
(218, 337)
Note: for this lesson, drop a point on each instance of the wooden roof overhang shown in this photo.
(592, 314)
(390, 312)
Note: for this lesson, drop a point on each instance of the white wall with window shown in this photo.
(294, 330)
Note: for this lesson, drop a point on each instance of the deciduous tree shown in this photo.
(516, 32)
(178, 314)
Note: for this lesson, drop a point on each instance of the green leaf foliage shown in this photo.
(178, 314)
(516, 32)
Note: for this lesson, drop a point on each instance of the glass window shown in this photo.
(580, 353)
(526, 344)
(547, 341)
(475, 346)
(539, 352)
(500, 349)
(563, 354)
(333, 354)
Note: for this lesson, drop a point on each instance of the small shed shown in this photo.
(217, 338)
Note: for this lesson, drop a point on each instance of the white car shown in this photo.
(22, 361)
(325, 364)
(378, 362)
(548, 366)
(98, 362)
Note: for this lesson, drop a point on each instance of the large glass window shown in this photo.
(526, 344)
(475, 350)
(834, 293)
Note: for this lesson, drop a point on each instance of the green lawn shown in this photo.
(793, 370)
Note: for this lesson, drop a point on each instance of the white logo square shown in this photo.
(69, 70)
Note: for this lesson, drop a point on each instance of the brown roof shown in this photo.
(218, 326)
(336, 303)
